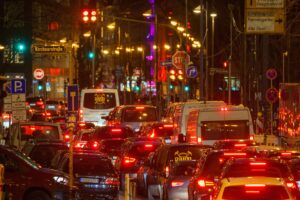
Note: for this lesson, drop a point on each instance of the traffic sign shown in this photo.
(259, 21)
(180, 59)
(7, 87)
(264, 3)
(38, 74)
(192, 72)
(272, 95)
(19, 115)
(167, 63)
(271, 74)
(73, 96)
(18, 98)
(18, 86)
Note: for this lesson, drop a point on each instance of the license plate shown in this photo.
(89, 180)
(51, 107)
(32, 104)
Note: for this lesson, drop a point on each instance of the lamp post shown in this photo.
(213, 15)
(284, 54)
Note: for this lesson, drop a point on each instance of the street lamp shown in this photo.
(213, 15)
(284, 54)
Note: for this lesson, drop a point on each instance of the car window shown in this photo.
(142, 150)
(90, 165)
(212, 165)
(106, 132)
(266, 192)
(139, 114)
(184, 169)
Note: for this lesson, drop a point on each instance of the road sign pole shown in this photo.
(71, 178)
(271, 117)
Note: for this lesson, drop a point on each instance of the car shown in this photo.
(40, 116)
(43, 152)
(208, 169)
(229, 144)
(35, 104)
(134, 152)
(27, 180)
(133, 116)
(21, 132)
(94, 175)
(177, 182)
(82, 137)
(294, 165)
(53, 107)
(163, 158)
(253, 188)
(107, 132)
(159, 129)
(254, 167)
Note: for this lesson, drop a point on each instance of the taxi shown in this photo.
(251, 188)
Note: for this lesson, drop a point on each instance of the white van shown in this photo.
(208, 125)
(97, 103)
(177, 113)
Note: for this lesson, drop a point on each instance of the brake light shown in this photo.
(152, 134)
(286, 153)
(258, 163)
(139, 107)
(5, 116)
(128, 160)
(240, 145)
(201, 183)
(199, 140)
(32, 128)
(112, 181)
(99, 90)
(116, 130)
(204, 183)
(224, 109)
(81, 124)
(148, 145)
(255, 185)
(39, 103)
(167, 171)
(48, 114)
(291, 185)
(168, 125)
(251, 138)
(177, 183)
(81, 112)
(95, 145)
(30, 110)
(234, 154)
(67, 136)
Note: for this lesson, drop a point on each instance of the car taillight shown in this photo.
(167, 171)
(291, 185)
(81, 124)
(39, 103)
(204, 183)
(177, 183)
(66, 137)
(235, 154)
(152, 133)
(240, 145)
(224, 109)
(148, 146)
(251, 137)
(258, 163)
(116, 130)
(129, 160)
(199, 140)
(168, 125)
(48, 114)
(95, 144)
(112, 181)
(255, 185)
(32, 128)
(139, 107)
(286, 154)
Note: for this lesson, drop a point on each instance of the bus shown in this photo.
(95, 104)
(227, 123)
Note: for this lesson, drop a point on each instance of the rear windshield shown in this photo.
(185, 169)
(220, 130)
(39, 132)
(270, 169)
(90, 165)
(99, 100)
(253, 193)
(43, 154)
(182, 153)
(109, 146)
(140, 114)
(213, 165)
(34, 99)
(111, 132)
(161, 132)
(143, 150)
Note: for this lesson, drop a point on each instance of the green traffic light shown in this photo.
(137, 88)
(91, 55)
(171, 86)
(40, 87)
(20, 46)
(186, 88)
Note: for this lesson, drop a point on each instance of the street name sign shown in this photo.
(264, 3)
(167, 63)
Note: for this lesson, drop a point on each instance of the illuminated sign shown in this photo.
(182, 156)
(48, 49)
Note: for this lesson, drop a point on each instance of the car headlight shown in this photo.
(61, 180)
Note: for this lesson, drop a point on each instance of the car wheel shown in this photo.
(37, 195)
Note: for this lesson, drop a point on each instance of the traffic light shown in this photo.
(172, 74)
(40, 86)
(186, 88)
(137, 88)
(91, 55)
(89, 15)
(171, 86)
(20, 47)
(225, 64)
(180, 75)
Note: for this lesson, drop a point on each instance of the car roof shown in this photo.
(251, 180)
(138, 105)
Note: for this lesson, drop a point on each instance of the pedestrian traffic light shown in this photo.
(180, 75)
(172, 74)
(171, 86)
(91, 55)
(137, 88)
(40, 86)
(186, 88)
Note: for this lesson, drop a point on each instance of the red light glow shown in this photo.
(255, 185)
(234, 154)
(240, 145)
(168, 125)
(116, 130)
(139, 107)
(286, 153)
(258, 164)
(148, 145)
(128, 160)
(201, 183)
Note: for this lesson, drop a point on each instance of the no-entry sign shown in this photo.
(38, 74)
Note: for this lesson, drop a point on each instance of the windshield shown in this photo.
(39, 132)
(144, 114)
(219, 130)
(99, 100)
(143, 150)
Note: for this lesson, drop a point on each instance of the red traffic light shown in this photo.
(89, 15)
(225, 64)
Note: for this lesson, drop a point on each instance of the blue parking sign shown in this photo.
(73, 97)
(18, 86)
